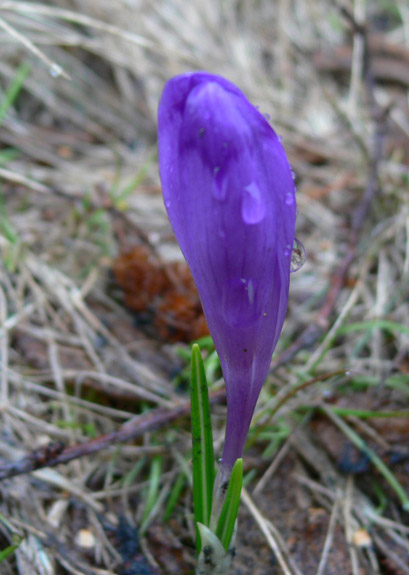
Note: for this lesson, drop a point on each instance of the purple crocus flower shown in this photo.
(230, 197)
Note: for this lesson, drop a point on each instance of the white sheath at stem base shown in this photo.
(220, 487)
(213, 559)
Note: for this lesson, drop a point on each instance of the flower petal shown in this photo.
(230, 197)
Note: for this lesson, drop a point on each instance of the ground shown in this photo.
(97, 308)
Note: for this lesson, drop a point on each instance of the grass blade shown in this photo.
(372, 456)
(4, 553)
(174, 496)
(13, 90)
(152, 494)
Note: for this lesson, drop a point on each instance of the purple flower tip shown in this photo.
(230, 197)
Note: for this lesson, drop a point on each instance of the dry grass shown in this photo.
(80, 182)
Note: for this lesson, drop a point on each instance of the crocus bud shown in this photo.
(230, 197)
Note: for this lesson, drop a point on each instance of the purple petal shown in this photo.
(230, 197)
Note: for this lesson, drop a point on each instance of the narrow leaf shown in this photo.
(152, 494)
(228, 514)
(202, 442)
(174, 496)
(372, 456)
(4, 553)
(13, 90)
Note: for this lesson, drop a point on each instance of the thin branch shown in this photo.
(56, 452)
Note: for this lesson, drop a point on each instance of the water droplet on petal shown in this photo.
(250, 291)
(253, 208)
(298, 256)
(219, 184)
(289, 198)
(267, 117)
(287, 250)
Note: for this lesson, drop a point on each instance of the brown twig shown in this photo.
(56, 453)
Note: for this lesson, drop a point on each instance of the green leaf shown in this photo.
(202, 443)
(16, 541)
(4, 553)
(228, 514)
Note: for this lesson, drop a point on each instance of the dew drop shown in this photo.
(267, 117)
(55, 70)
(219, 184)
(253, 208)
(154, 238)
(168, 203)
(289, 199)
(298, 256)
(250, 292)
(287, 250)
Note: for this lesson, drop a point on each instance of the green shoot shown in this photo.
(202, 443)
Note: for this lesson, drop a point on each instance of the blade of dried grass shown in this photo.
(55, 69)
(329, 539)
(264, 528)
(77, 18)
